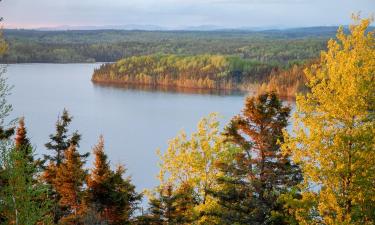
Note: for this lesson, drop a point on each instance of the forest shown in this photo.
(199, 71)
(252, 171)
(274, 46)
(206, 72)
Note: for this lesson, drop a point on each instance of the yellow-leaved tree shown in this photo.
(334, 133)
(191, 162)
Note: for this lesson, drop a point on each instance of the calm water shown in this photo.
(134, 122)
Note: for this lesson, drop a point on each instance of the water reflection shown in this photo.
(169, 89)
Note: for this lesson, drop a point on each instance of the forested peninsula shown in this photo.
(200, 71)
(210, 72)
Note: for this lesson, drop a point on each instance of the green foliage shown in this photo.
(112, 197)
(275, 47)
(59, 144)
(253, 180)
(171, 207)
(60, 141)
(23, 200)
(199, 71)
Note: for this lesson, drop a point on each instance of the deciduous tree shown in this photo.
(191, 162)
(334, 133)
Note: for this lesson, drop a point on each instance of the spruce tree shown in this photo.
(22, 199)
(97, 181)
(109, 194)
(162, 208)
(69, 183)
(259, 173)
(123, 196)
(98, 187)
(21, 140)
(171, 206)
(60, 141)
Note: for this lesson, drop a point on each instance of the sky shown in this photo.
(181, 13)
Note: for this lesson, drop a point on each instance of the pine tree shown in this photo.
(259, 173)
(98, 187)
(123, 196)
(162, 209)
(69, 182)
(185, 202)
(22, 200)
(97, 181)
(21, 140)
(60, 141)
(21, 134)
(112, 196)
(171, 206)
(334, 134)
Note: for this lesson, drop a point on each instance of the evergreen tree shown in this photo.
(123, 196)
(60, 141)
(69, 182)
(109, 194)
(22, 200)
(21, 140)
(97, 181)
(334, 134)
(259, 173)
(171, 206)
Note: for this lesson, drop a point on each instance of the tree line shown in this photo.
(251, 172)
(278, 47)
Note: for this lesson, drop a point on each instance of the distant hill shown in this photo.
(277, 46)
(88, 35)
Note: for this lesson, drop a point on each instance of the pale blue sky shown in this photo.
(181, 13)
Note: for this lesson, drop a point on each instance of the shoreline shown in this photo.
(173, 88)
(251, 90)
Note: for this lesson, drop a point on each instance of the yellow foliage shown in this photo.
(334, 133)
(191, 161)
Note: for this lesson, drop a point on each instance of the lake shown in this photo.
(135, 123)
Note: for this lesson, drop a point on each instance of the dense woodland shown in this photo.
(274, 46)
(200, 71)
(251, 172)
(204, 72)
